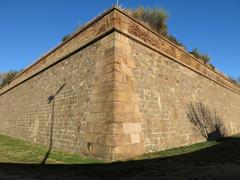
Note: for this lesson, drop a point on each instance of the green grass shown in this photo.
(186, 149)
(197, 161)
(18, 151)
(179, 150)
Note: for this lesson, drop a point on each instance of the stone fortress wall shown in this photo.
(115, 90)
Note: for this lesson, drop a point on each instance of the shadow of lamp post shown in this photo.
(51, 99)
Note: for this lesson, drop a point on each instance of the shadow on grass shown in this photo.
(221, 161)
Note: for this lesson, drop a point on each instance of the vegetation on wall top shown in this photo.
(235, 80)
(156, 19)
(66, 37)
(1, 77)
(196, 53)
(6, 78)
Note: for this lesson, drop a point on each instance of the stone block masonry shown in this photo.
(113, 91)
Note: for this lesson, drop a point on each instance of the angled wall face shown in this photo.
(58, 105)
(167, 92)
(65, 99)
(174, 90)
(116, 90)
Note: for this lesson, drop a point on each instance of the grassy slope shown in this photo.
(179, 150)
(199, 161)
(18, 151)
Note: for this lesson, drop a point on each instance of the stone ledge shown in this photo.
(95, 29)
(111, 20)
(136, 30)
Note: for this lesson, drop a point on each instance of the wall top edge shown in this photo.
(106, 12)
(74, 34)
(217, 72)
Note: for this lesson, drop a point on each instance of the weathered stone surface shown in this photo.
(114, 91)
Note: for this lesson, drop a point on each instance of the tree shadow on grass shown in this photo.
(221, 161)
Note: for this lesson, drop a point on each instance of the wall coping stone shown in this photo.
(219, 78)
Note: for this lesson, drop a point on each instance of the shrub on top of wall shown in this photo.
(212, 66)
(66, 37)
(195, 52)
(175, 40)
(235, 80)
(156, 18)
(1, 77)
(8, 77)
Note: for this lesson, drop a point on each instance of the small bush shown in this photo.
(66, 37)
(235, 80)
(174, 40)
(156, 18)
(8, 77)
(1, 77)
(212, 66)
(199, 55)
(232, 79)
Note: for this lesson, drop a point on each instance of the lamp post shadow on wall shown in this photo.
(51, 99)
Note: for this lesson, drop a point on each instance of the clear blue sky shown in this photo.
(29, 28)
